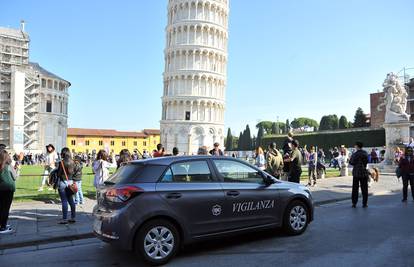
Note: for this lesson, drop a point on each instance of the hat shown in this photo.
(50, 145)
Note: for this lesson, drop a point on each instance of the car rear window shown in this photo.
(137, 173)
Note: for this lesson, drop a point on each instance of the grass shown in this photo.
(28, 183)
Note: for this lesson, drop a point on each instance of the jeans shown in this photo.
(79, 194)
(66, 196)
(364, 190)
(6, 198)
(408, 179)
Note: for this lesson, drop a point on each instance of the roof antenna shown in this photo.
(22, 25)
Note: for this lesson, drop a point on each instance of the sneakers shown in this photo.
(50, 189)
(72, 221)
(7, 230)
(64, 222)
(40, 189)
(404, 200)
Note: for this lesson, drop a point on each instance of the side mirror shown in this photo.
(267, 179)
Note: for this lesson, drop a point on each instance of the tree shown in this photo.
(240, 142)
(343, 122)
(247, 138)
(259, 136)
(360, 119)
(287, 126)
(298, 123)
(229, 140)
(275, 128)
(329, 122)
(267, 126)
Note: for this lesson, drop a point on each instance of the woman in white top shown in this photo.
(260, 159)
(50, 164)
(101, 168)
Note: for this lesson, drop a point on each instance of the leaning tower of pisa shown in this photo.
(193, 101)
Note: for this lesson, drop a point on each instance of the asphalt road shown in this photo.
(381, 235)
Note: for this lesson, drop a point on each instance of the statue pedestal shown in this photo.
(396, 134)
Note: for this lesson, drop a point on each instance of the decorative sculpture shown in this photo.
(395, 100)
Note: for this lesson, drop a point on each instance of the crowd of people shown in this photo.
(63, 171)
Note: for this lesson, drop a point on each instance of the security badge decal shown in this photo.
(216, 210)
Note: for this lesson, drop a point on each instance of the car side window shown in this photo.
(188, 172)
(236, 172)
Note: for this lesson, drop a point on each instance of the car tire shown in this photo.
(296, 218)
(157, 242)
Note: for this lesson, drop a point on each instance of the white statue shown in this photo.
(395, 100)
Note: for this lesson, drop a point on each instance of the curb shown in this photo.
(47, 241)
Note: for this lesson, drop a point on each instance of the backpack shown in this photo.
(54, 178)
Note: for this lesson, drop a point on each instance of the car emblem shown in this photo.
(216, 210)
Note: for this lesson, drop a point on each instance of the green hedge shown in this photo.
(370, 138)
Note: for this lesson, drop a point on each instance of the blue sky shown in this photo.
(286, 58)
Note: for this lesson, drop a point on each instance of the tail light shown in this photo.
(123, 194)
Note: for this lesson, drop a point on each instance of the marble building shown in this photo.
(33, 101)
(193, 102)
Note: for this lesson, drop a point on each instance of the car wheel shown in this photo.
(296, 218)
(157, 242)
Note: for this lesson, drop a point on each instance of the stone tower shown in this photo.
(193, 101)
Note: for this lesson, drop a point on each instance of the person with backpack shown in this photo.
(77, 177)
(274, 161)
(66, 185)
(7, 189)
(101, 168)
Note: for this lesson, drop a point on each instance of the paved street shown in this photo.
(340, 236)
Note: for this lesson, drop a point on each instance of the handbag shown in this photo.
(73, 187)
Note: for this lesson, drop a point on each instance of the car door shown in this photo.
(194, 195)
(248, 201)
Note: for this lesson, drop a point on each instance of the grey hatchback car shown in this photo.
(155, 206)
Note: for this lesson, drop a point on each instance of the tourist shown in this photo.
(260, 160)
(295, 163)
(312, 164)
(7, 189)
(145, 154)
(124, 157)
(274, 161)
(216, 151)
(398, 155)
(101, 168)
(287, 150)
(359, 161)
(202, 151)
(335, 159)
(406, 166)
(374, 156)
(77, 177)
(50, 164)
(159, 152)
(411, 143)
(65, 173)
(175, 151)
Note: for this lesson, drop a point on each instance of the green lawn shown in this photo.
(27, 186)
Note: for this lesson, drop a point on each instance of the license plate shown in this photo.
(97, 225)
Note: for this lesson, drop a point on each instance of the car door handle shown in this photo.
(233, 193)
(173, 195)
